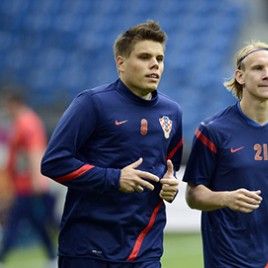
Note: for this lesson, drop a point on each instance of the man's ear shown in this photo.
(120, 63)
(239, 76)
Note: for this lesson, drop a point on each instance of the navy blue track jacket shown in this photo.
(229, 152)
(103, 130)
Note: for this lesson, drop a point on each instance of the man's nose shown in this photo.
(265, 73)
(154, 63)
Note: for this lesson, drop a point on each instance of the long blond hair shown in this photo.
(232, 84)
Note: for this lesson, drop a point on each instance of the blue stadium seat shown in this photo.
(55, 45)
(14, 8)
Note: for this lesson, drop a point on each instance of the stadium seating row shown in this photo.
(55, 46)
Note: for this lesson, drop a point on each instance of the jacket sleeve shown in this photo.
(61, 162)
(176, 145)
(203, 157)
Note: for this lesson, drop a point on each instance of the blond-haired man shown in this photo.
(227, 172)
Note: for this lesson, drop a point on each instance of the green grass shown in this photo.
(181, 251)
(30, 257)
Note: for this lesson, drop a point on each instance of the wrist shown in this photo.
(224, 199)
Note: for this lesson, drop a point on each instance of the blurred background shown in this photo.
(56, 48)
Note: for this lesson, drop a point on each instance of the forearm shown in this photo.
(201, 198)
(75, 174)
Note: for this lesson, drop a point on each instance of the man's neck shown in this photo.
(255, 110)
(147, 97)
(138, 92)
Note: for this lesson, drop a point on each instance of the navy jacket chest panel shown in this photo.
(242, 149)
(134, 123)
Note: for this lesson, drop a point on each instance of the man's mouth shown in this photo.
(154, 76)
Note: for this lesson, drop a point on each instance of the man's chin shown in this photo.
(151, 88)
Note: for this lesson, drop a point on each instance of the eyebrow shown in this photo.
(150, 54)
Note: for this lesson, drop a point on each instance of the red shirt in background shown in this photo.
(27, 136)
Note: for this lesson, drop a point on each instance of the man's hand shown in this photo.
(170, 184)
(133, 180)
(243, 200)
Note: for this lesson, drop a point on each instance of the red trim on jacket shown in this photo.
(200, 136)
(136, 249)
(74, 174)
(175, 149)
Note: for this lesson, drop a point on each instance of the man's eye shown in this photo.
(258, 67)
(144, 57)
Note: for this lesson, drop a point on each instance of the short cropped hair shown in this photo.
(126, 41)
(232, 84)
